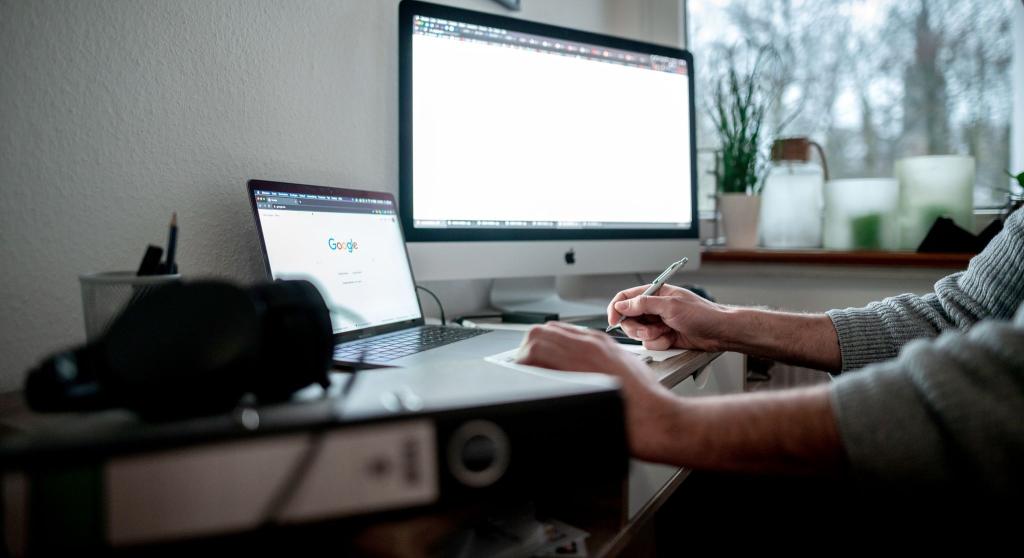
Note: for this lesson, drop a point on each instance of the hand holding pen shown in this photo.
(653, 287)
(670, 317)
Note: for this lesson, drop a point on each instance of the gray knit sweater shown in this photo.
(949, 409)
(991, 288)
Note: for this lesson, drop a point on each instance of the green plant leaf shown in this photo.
(1018, 177)
(739, 107)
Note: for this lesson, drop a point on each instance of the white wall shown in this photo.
(798, 288)
(117, 112)
(656, 21)
(113, 113)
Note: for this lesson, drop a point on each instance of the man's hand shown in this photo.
(674, 317)
(649, 406)
(791, 431)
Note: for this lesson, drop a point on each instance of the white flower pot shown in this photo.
(740, 214)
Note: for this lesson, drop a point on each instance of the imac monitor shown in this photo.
(533, 150)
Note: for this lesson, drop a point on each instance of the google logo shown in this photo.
(349, 246)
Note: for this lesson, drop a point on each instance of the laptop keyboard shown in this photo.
(403, 343)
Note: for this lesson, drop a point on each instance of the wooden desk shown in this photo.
(878, 258)
(650, 485)
(620, 517)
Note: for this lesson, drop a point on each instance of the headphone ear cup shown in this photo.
(192, 349)
(183, 350)
(68, 381)
(298, 340)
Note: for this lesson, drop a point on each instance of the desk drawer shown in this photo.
(723, 376)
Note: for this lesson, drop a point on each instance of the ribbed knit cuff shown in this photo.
(863, 339)
(995, 278)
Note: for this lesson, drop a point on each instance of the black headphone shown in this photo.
(191, 349)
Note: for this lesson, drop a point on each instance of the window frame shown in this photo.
(1017, 89)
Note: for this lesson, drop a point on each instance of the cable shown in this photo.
(437, 300)
(287, 490)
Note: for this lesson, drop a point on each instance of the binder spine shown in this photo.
(502, 453)
(216, 489)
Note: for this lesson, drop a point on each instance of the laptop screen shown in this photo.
(351, 248)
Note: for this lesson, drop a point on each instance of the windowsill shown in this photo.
(833, 257)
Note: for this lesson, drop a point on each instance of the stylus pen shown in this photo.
(655, 285)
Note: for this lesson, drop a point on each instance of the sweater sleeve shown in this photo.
(992, 287)
(946, 411)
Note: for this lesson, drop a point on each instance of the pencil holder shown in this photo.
(105, 295)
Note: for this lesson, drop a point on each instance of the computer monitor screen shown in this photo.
(346, 242)
(514, 130)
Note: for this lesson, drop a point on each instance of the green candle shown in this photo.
(867, 231)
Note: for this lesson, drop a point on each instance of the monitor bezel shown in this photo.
(339, 337)
(410, 8)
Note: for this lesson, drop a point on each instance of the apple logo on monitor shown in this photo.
(570, 257)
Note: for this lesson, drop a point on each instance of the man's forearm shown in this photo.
(803, 339)
(785, 432)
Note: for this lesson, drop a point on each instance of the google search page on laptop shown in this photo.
(356, 260)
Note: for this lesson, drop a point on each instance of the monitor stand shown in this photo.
(539, 294)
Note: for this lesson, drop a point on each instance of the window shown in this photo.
(875, 80)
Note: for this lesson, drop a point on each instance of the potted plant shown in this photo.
(739, 106)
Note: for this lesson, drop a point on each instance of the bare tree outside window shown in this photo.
(874, 80)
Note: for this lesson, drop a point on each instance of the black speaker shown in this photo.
(194, 348)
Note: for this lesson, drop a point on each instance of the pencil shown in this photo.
(172, 243)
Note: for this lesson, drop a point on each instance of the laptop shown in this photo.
(349, 244)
